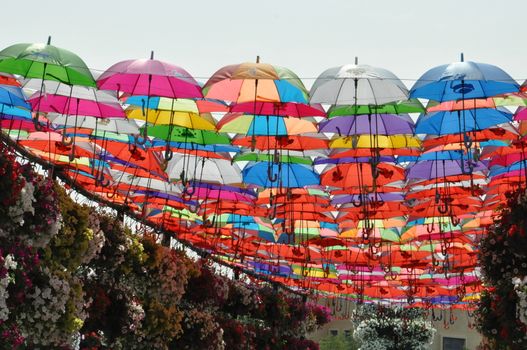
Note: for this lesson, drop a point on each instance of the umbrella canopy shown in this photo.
(149, 77)
(384, 124)
(46, 62)
(453, 122)
(260, 125)
(203, 170)
(249, 82)
(354, 84)
(265, 174)
(463, 80)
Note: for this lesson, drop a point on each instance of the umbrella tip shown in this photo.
(49, 39)
(152, 54)
(462, 57)
(356, 60)
(257, 59)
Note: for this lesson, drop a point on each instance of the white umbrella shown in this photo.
(204, 170)
(354, 84)
(116, 125)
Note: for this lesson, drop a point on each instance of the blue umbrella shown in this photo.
(463, 80)
(13, 96)
(454, 122)
(289, 175)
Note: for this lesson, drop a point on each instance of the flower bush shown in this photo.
(501, 312)
(390, 328)
(72, 277)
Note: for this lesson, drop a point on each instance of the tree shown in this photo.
(379, 327)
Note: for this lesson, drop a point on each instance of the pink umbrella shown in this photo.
(150, 77)
(75, 106)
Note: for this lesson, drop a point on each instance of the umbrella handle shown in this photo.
(209, 223)
(105, 183)
(112, 194)
(374, 170)
(64, 138)
(463, 169)
(430, 228)
(193, 209)
(444, 250)
(437, 197)
(37, 125)
(190, 193)
(71, 155)
(270, 176)
(443, 209)
(168, 153)
(359, 203)
(272, 214)
(466, 140)
(163, 165)
(140, 139)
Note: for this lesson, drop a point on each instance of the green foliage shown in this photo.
(503, 258)
(339, 342)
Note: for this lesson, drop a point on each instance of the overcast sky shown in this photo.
(307, 36)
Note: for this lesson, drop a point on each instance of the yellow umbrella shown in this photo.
(376, 141)
(185, 119)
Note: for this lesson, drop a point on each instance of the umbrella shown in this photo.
(265, 174)
(149, 77)
(46, 62)
(384, 124)
(463, 80)
(203, 170)
(250, 82)
(260, 125)
(355, 84)
(454, 122)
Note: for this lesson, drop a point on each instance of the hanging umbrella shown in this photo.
(196, 105)
(52, 96)
(250, 82)
(463, 80)
(161, 117)
(355, 84)
(201, 169)
(46, 62)
(384, 124)
(285, 109)
(268, 125)
(454, 122)
(149, 77)
(266, 175)
(186, 135)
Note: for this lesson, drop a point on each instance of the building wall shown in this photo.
(459, 329)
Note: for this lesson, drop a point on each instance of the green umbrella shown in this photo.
(409, 106)
(181, 134)
(266, 157)
(46, 62)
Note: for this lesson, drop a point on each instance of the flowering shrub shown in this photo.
(71, 277)
(380, 327)
(501, 312)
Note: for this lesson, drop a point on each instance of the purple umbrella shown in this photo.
(384, 159)
(431, 169)
(386, 197)
(383, 124)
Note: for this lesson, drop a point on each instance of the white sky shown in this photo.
(406, 36)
